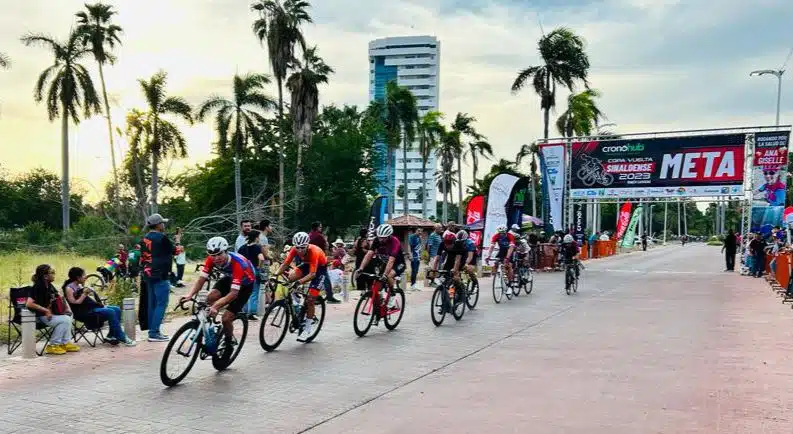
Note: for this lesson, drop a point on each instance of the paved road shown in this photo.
(655, 342)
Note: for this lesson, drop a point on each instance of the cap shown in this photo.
(155, 219)
(338, 241)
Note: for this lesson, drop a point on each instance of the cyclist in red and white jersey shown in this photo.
(506, 246)
(232, 290)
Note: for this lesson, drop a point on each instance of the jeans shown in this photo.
(730, 259)
(252, 307)
(179, 272)
(61, 328)
(159, 290)
(414, 269)
(759, 265)
(112, 314)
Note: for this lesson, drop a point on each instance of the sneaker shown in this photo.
(129, 342)
(70, 347)
(159, 338)
(508, 291)
(333, 300)
(111, 340)
(253, 317)
(307, 330)
(54, 350)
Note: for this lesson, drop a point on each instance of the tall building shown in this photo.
(413, 62)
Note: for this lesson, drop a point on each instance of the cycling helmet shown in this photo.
(567, 239)
(449, 237)
(515, 228)
(300, 239)
(462, 235)
(501, 229)
(384, 231)
(217, 245)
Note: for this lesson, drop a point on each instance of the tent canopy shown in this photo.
(410, 221)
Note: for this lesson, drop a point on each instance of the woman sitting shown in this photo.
(82, 303)
(51, 311)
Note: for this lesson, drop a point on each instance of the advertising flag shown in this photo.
(553, 168)
(623, 218)
(497, 197)
(630, 234)
(377, 214)
(474, 218)
(769, 177)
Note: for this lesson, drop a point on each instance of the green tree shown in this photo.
(303, 85)
(278, 26)
(563, 62)
(429, 131)
(101, 36)
(69, 88)
(524, 152)
(164, 139)
(464, 123)
(449, 148)
(236, 120)
(582, 115)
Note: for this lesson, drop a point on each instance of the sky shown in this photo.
(660, 64)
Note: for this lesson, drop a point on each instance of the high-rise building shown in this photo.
(413, 62)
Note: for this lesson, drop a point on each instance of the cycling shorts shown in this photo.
(502, 254)
(224, 286)
(451, 258)
(320, 281)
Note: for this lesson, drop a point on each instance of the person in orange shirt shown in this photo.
(313, 269)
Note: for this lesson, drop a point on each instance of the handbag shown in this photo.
(58, 306)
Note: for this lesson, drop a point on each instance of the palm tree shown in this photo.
(237, 119)
(5, 61)
(165, 138)
(69, 88)
(563, 62)
(476, 149)
(138, 136)
(430, 131)
(582, 115)
(279, 27)
(449, 149)
(463, 123)
(303, 86)
(445, 181)
(101, 37)
(530, 151)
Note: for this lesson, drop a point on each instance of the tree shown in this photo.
(136, 173)
(449, 148)
(476, 149)
(463, 123)
(278, 26)
(237, 119)
(101, 37)
(5, 61)
(165, 139)
(530, 151)
(429, 130)
(69, 88)
(304, 88)
(582, 115)
(563, 62)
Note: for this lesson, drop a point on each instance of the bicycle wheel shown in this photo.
(229, 349)
(458, 304)
(508, 292)
(568, 281)
(319, 318)
(438, 306)
(274, 326)
(394, 315)
(472, 294)
(364, 315)
(96, 282)
(498, 286)
(530, 285)
(186, 352)
(575, 285)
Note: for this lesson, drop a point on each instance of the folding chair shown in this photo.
(89, 328)
(17, 298)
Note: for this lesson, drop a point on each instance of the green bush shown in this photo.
(118, 290)
(38, 234)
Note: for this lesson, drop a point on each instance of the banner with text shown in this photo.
(659, 167)
(474, 219)
(553, 166)
(769, 176)
(623, 218)
(579, 222)
(497, 197)
(630, 234)
(377, 214)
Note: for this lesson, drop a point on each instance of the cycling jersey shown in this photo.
(504, 242)
(390, 247)
(313, 258)
(237, 267)
(568, 252)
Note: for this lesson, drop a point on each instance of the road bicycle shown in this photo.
(203, 337)
(441, 301)
(378, 303)
(500, 284)
(287, 314)
(524, 276)
(570, 278)
(471, 290)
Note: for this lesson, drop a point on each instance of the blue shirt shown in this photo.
(414, 241)
(433, 242)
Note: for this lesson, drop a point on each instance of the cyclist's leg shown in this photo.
(234, 307)
(219, 289)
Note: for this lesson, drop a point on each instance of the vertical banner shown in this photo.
(623, 218)
(518, 200)
(552, 157)
(474, 214)
(497, 197)
(630, 234)
(377, 214)
(769, 176)
(579, 222)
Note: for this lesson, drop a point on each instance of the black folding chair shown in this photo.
(88, 328)
(17, 299)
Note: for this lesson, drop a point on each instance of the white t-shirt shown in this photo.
(181, 258)
(336, 277)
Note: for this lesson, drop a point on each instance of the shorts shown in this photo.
(399, 268)
(502, 254)
(449, 263)
(224, 286)
(134, 271)
(320, 281)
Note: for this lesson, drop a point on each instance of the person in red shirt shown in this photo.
(506, 246)
(123, 256)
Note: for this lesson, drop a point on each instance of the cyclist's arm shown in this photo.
(458, 259)
(470, 258)
(313, 264)
(366, 259)
(287, 261)
(389, 265)
(237, 276)
(202, 278)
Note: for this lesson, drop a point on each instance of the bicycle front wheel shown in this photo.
(96, 282)
(181, 353)
(472, 294)
(458, 303)
(319, 318)
(229, 348)
(530, 285)
(568, 281)
(438, 306)
(498, 287)
(364, 315)
(394, 314)
(274, 326)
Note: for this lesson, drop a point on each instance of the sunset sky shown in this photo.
(660, 64)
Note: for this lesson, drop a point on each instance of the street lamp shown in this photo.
(778, 74)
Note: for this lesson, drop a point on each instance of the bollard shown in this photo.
(345, 294)
(129, 317)
(28, 334)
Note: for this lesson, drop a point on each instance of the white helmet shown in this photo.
(384, 230)
(515, 228)
(300, 239)
(501, 229)
(567, 239)
(462, 235)
(217, 245)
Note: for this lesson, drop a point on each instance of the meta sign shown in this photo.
(660, 167)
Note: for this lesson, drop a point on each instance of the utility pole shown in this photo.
(666, 210)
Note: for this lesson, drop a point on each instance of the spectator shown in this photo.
(181, 262)
(317, 238)
(83, 301)
(644, 241)
(133, 262)
(336, 274)
(252, 250)
(433, 244)
(52, 311)
(359, 249)
(265, 229)
(414, 249)
(604, 236)
(592, 240)
(757, 248)
(123, 257)
(156, 259)
(729, 249)
(245, 227)
(773, 250)
(339, 252)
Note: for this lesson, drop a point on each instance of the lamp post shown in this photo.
(778, 74)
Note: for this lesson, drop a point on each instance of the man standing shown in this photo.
(757, 247)
(265, 229)
(433, 244)
(592, 240)
(245, 227)
(156, 259)
(644, 242)
(414, 244)
(729, 249)
(317, 238)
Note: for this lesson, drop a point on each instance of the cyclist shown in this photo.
(569, 252)
(232, 290)
(313, 269)
(386, 245)
(454, 252)
(469, 258)
(506, 245)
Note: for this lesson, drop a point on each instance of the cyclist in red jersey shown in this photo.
(232, 290)
(313, 269)
(388, 249)
(506, 246)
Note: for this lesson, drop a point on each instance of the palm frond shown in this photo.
(5, 61)
(213, 103)
(177, 105)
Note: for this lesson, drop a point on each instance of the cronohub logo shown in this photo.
(638, 147)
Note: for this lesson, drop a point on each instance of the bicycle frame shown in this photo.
(376, 286)
(200, 313)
